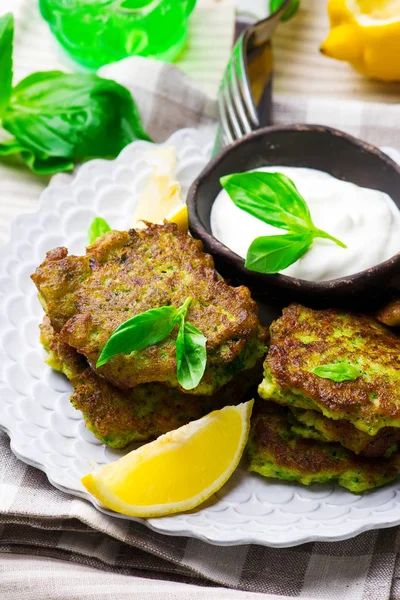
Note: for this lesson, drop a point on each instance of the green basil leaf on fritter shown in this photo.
(337, 371)
(139, 332)
(191, 355)
(182, 310)
(152, 327)
(271, 197)
(273, 253)
(176, 313)
(72, 116)
(98, 227)
(6, 64)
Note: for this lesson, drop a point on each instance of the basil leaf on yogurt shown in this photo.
(274, 199)
(337, 371)
(271, 197)
(273, 253)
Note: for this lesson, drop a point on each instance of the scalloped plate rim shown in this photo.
(195, 535)
(300, 537)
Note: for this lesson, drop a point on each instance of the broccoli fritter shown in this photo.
(126, 273)
(145, 412)
(61, 357)
(312, 424)
(275, 451)
(118, 418)
(57, 280)
(303, 339)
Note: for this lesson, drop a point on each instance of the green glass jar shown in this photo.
(98, 32)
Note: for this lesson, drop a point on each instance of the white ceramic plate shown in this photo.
(48, 433)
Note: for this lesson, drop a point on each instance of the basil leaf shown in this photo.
(271, 197)
(152, 327)
(273, 253)
(40, 164)
(10, 147)
(6, 65)
(146, 329)
(274, 199)
(191, 355)
(339, 371)
(46, 165)
(97, 228)
(57, 115)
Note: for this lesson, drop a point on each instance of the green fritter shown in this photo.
(126, 273)
(61, 357)
(303, 339)
(118, 418)
(275, 451)
(312, 424)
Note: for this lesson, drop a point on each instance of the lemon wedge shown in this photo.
(366, 33)
(180, 217)
(179, 470)
(162, 196)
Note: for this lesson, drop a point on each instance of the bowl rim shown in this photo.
(220, 250)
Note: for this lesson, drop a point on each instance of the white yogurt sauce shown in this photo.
(366, 220)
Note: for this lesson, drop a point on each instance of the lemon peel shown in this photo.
(179, 470)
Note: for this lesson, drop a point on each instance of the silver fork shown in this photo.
(244, 96)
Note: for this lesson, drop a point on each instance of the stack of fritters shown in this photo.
(136, 396)
(347, 431)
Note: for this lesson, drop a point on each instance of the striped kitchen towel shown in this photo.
(39, 521)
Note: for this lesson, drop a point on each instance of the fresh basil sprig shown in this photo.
(98, 227)
(274, 199)
(152, 327)
(59, 118)
(337, 371)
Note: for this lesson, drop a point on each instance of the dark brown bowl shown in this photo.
(315, 147)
